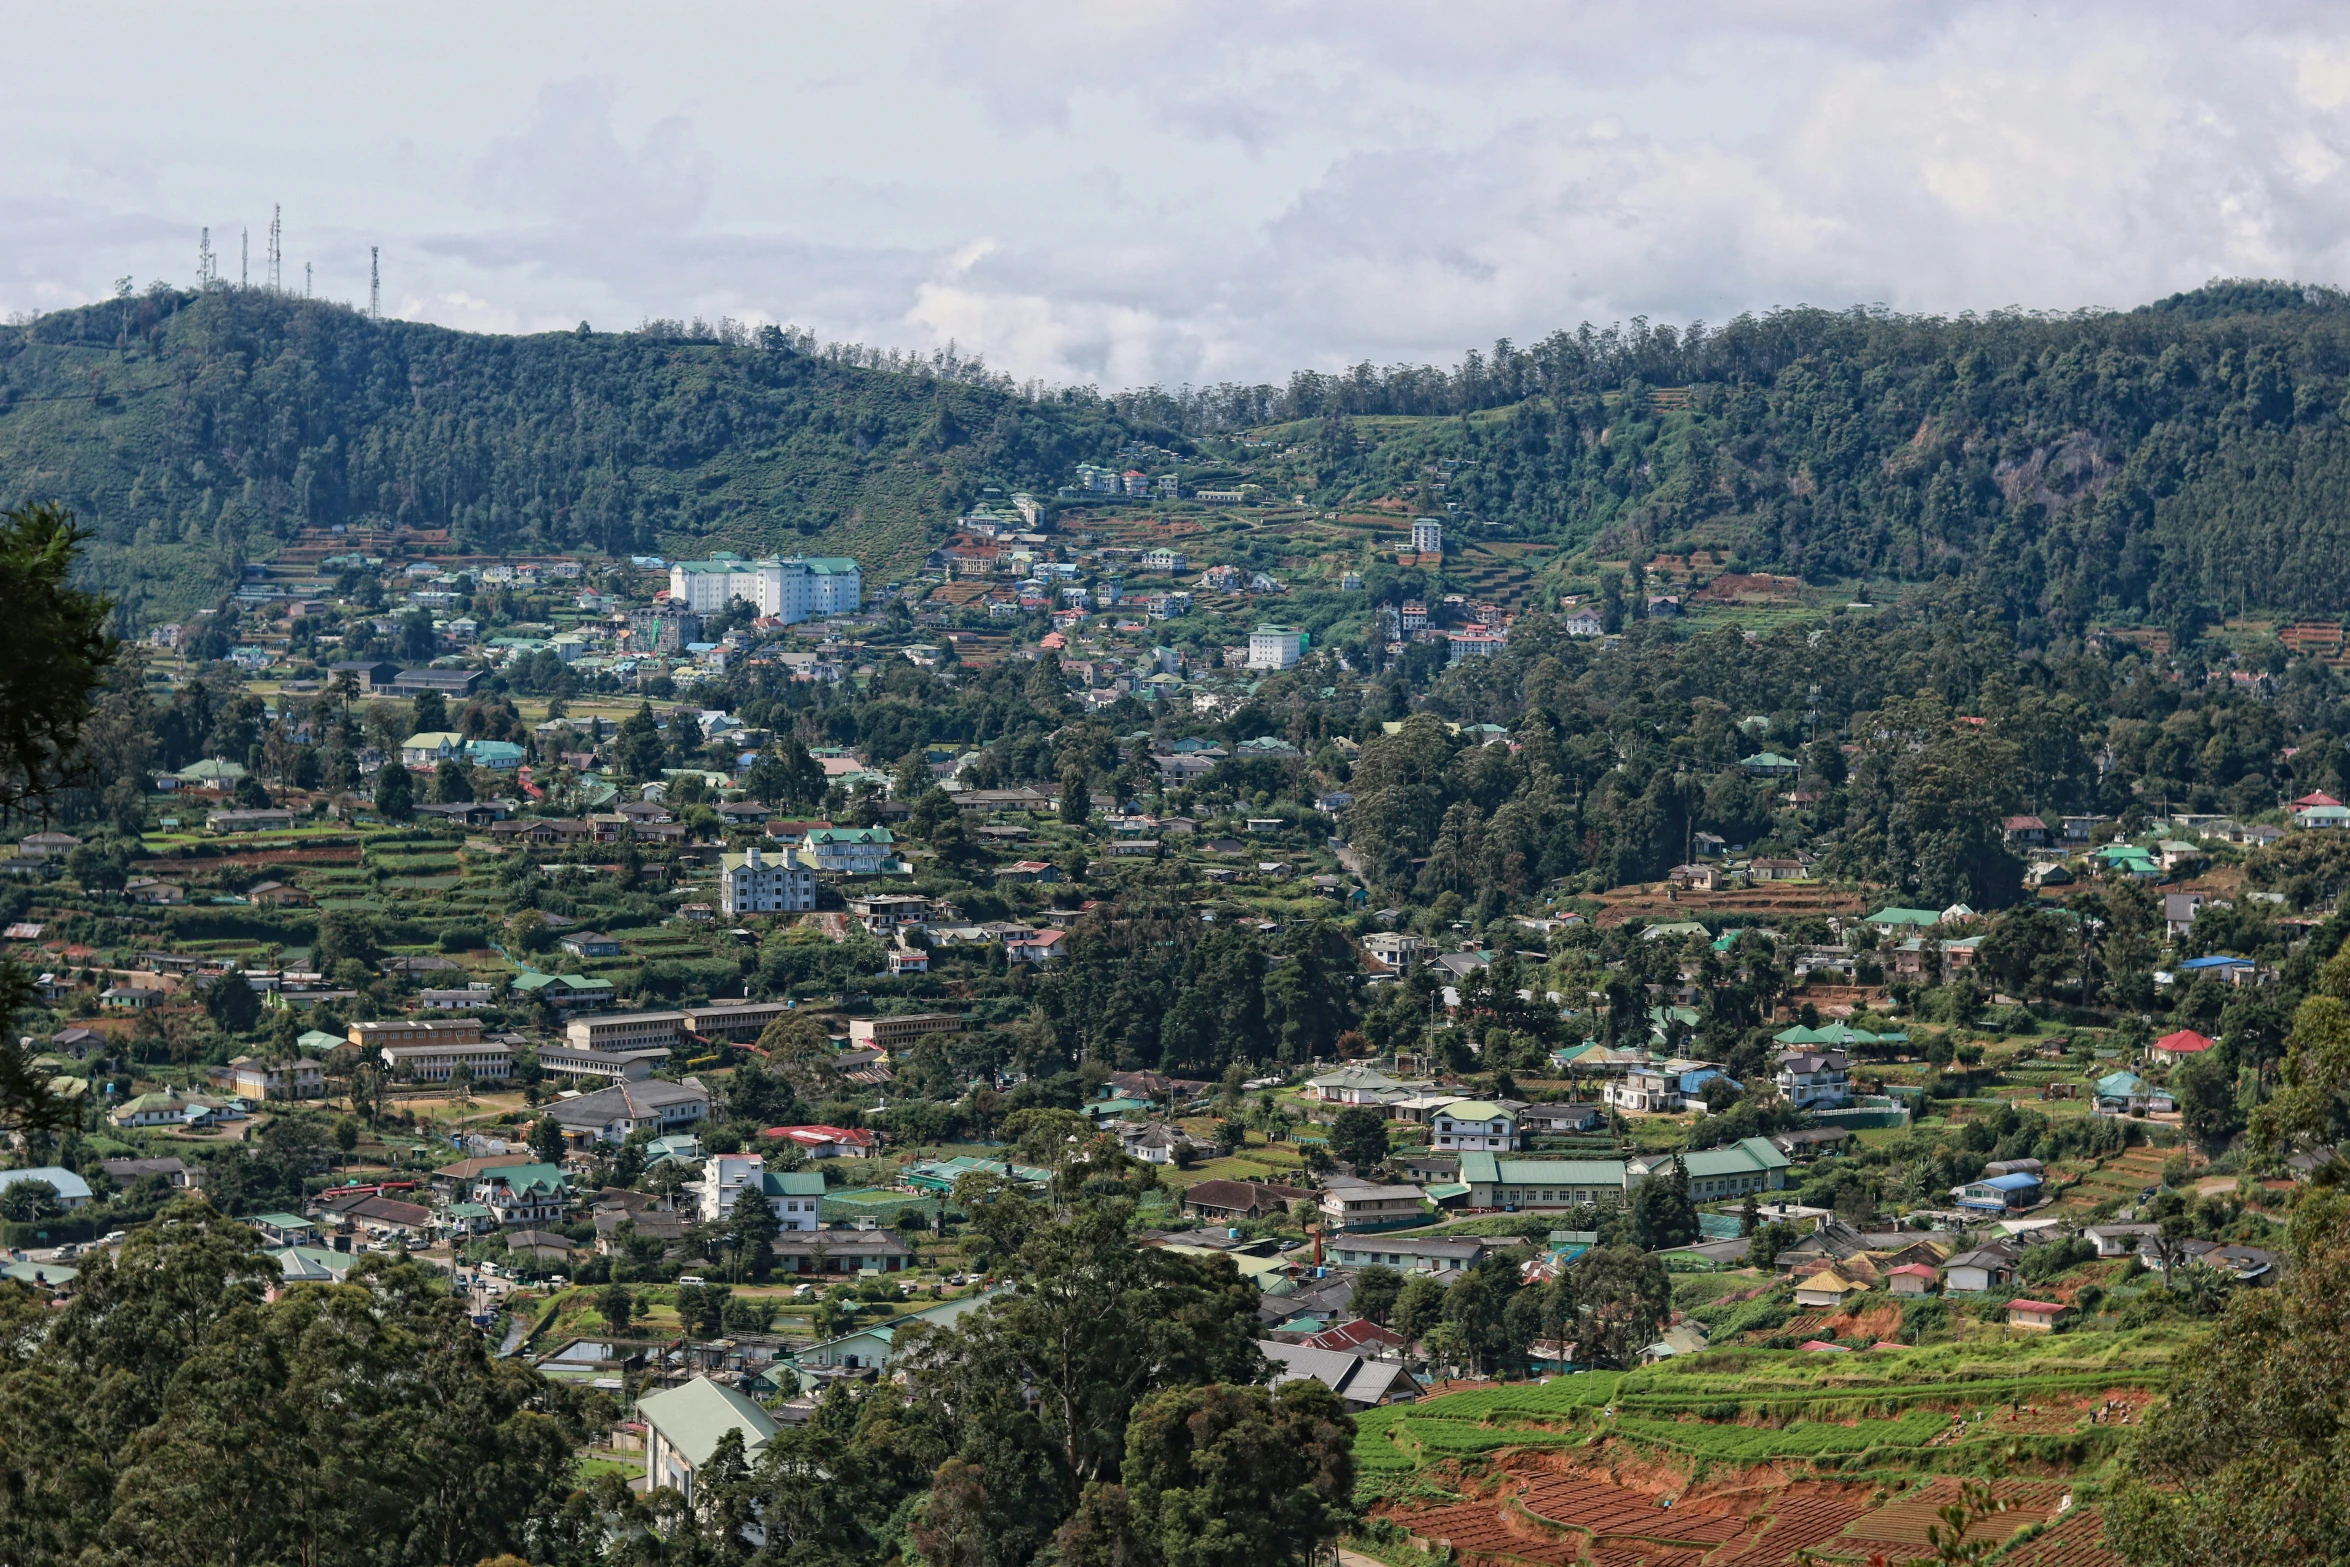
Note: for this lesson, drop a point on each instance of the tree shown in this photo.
(1419, 1306)
(23, 1202)
(1613, 1303)
(2243, 1464)
(546, 1140)
(750, 1233)
(395, 793)
(1358, 1135)
(1076, 803)
(99, 867)
(1661, 1211)
(1375, 1292)
(429, 713)
(798, 1048)
(2205, 1086)
(347, 1131)
(451, 784)
(1221, 1477)
(232, 1002)
(616, 1306)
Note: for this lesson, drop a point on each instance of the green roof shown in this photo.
(1743, 1157)
(1478, 1110)
(318, 1040)
(210, 767)
(531, 984)
(1485, 1169)
(793, 1183)
(694, 1417)
(1918, 917)
(525, 1177)
(283, 1221)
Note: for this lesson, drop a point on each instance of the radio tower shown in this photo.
(276, 254)
(244, 258)
(206, 266)
(305, 280)
(375, 284)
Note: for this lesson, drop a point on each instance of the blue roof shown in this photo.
(2217, 960)
(2011, 1183)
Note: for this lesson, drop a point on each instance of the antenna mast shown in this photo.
(207, 267)
(276, 248)
(305, 280)
(375, 283)
(244, 258)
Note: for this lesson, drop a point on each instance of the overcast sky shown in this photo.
(1179, 190)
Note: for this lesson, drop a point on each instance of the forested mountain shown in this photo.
(2174, 463)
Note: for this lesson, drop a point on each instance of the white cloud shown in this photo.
(1195, 190)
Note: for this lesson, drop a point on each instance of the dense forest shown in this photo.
(2176, 463)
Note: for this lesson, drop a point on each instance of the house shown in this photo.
(173, 1173)
(1230, 1200)
(1474, 1124)
(794, 1196)
(590, 944)
(149, 889)
(251, 1078)
(1028, 870)
(754, 882)
(382, 1217)
(1413, 1253)
(1359, 1337)
(2119, 1240)
(830, 1142)
(852, 851)
(1809, 1079)
(1558, 1119)
(2033, 1316)
(276, 894)
(284, 1229)
(1985, 1267)
(1036, 946)
(612, 1115)
(1352, 1085)
(2024, 832)
(1356, 1204)
(1361, 1383)
(1769, 764)
(2186, 1042)
(870, 1348)
(1695, 877)
(1911, 1278)
(72, 1191)
(562, 991)
(1825, 1289)
(1396, 951)
(842, 1251)
(269, 819)
(521, 1193)
(1999, 1193)
(430, 748)
(684, 1425)
(1644, 1090)
(1155, 1142)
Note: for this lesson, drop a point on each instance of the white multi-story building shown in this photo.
(1808, 1078)
(1427, 536)
(760, 882)
(790, 589)
(1275, 647)
(793, 1195)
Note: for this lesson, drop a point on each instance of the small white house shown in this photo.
(683, 1426)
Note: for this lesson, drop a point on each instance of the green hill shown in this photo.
(189, 431)
(2168, 465)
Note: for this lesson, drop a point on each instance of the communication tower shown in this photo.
(305, 280)
(276, 250)
(207, 264)
(375, 284)
(244, 258)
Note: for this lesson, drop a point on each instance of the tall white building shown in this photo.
(1275, 647)
(790, 588)
(1427, 536)
(757, 882)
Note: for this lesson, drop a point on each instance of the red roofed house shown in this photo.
(2186, 1042)
(2029, 831)
(2036, 1316)
(1038, 946)
(2319, 798)
(830, 1142)
(1911, 1278)
(1359, 1337)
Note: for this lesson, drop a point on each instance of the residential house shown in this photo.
(1825, 1290)
(1983, 1268)
(1356, 1204)
(612, 1115)
(521, 1193)
(1360, 1382)
(829, 1142)
(72, 1191)
(754, 882)
(1809, 1079)
(172, 1172)
(1540, 1183)
(249, 1077)
(2033, 1316)
(794, 1196)
(1911, 1278)
(842, 1251)
(1750, 1164)
(684, 1426)
(2013, 1193)
(590, 944)
(1232, 1200)
(1474, 1124)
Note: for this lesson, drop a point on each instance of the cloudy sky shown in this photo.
(1180, 190)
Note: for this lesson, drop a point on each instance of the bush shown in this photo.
(464, 938)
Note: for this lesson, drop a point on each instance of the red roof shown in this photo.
(2047, 1306)
(1353, 1335)
(2185, 1042)
(2319, 798)
(855, 1137)
(1914, 1268)
(1819, 1345)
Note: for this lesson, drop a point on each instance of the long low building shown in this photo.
(893, 1033)
(736, 1020)
(1495, 1182)
(612, 1114)
(619, 1033)
(571, 1060)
